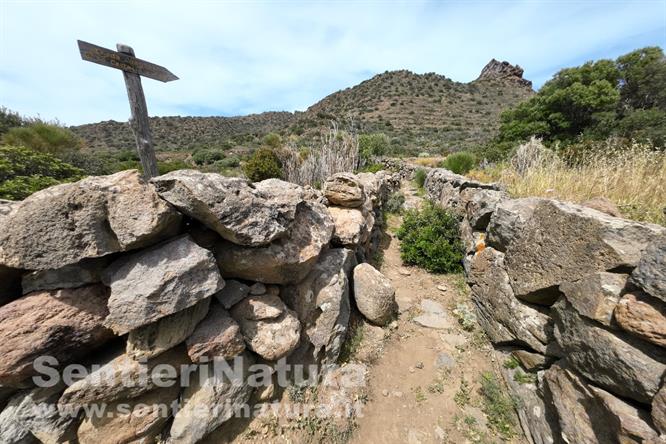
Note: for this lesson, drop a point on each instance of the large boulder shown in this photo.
(286, 260)
(321, 302)
(65, 324)
(643, 316)
(90, 218)
(269, 328)
(507, 221)
(504, 318)
(444, 187)
(86, 272)
(35, 412)
(615, 361)
(374, 294)
(150, 340)
(221, 395)
(121, 377)
(650, 274)
(564, 242)
(344, 189)
(159, 281)
(659, 410)
(218, 336)
(138, 420)
(233, 207)
(378, 186)
(480, 204)
(596, 295)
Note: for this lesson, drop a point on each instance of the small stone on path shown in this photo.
(437, 321)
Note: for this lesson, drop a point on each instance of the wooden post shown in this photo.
(139, 120)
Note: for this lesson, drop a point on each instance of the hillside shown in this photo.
(420, 112)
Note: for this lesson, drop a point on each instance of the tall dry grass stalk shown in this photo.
(632, 177)
(338, 152)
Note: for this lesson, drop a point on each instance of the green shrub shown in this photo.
(21, 187)
(272, 140)
(8, 120)
(460, 163)
(43, 137)
(207, 156)
(420, 177)
(172, 165)
(394, 203)
(370, 145)
(372, 168)
(498, 406)
(229, 162)
(264, 164)
(430, 239)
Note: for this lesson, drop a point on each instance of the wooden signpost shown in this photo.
(132, 68)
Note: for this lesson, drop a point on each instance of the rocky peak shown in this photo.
(496, 70)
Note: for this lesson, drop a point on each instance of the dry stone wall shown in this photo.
(126, 278)
(574, 295)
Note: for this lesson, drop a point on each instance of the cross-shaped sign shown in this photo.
(132, 68)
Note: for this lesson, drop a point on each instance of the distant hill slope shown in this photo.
(420, 112)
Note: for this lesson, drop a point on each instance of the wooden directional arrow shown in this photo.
(132, 69)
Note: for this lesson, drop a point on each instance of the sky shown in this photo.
(242, 57)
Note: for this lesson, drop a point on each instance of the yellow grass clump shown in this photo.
(633, 177)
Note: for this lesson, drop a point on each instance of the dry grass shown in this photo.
(432, 162)
(633, 177)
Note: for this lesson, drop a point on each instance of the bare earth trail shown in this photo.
(424, 384)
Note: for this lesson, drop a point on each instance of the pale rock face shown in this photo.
(650, 274)
(580, 241)
(344, 189)
(286, 260)
(159, 281)
(217, 337)
(167, 332)
(65, 324)
(508, 221)
(596, 295)
(505, 318)
(321, 302)
(86, 272)
(374, 294)
(219, 393)
(643, 316)
(121, 377)
(659, 410)
(604, 205)
(480, 205)
(351, 228)
(93, 217)
(234, 208)
(142, 423)
(615, 361)
(269, 328)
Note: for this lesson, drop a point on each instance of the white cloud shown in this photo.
(241, 57)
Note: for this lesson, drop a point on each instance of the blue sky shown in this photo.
(245, 57)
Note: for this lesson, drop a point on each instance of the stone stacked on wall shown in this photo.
(576, 296)
(123, 276)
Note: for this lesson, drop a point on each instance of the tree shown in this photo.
(264, 164)
(8, 120)
(370, 145)
(643, 79)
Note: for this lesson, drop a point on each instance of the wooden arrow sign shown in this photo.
(124, 62)
(132, 69)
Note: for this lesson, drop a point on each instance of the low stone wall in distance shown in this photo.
(578, 298)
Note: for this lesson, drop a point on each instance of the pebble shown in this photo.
(404, 272)
(442, 288)
(444, 360)
(412, 369)
(385, 393)
(397, 394)
(419, 365)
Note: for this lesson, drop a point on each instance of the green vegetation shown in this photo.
(372, 168)
(498, 407)
(420, 177)
(43, 137)
(511, 362)
(625, 97)
(460, 163)
(524, 378)
(463, 395)
(207, 156)
(272, 140)
(430, 239)
(23, 172)
(9, 119)
(373, 145)
(264, 164)
(394, 203)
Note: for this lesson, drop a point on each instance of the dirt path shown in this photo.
(424, 384)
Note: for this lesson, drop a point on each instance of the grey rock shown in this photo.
(159, 281)
(374, 294)
(508, 221)
(220, 394)
(286, 260)
(217, 337)
(150, 340)
(236, 210)
(11, 430)
(480, 205)
(444, 360)
(579, 241)
(93, 217)
(504, 318)
(596, 295)
(659, 410)
(344, 189)
(351, 227)
(271, 337)
(257, 288)
(121, 377)
(438, 321)
(232, 293)
(531, 361)
(88, 271)
(650, 274)
(321, 302)
(613, 360)
(604, 205)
